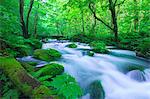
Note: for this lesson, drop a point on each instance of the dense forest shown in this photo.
(75, 49)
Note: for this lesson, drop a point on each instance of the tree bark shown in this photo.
(23, 26)
(91, 7)
(28, 14)
(36, 22)
(136, 20)
(114, 19)
(82, 18)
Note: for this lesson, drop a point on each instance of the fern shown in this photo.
(11, 94)
(44, 78)
(8, 92)
(66, 86)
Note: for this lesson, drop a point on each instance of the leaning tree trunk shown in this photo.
(114, 19)
(28, 85)
(36, 22)
(23, 26)
(28, 14)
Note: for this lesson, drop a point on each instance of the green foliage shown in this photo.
(12, 93)
(19, 46)
(99, 47)
(47, 54)
(66, 86)
(7, 88)
(42, 91)
(81, 38)
(143, 48)
(73, 45)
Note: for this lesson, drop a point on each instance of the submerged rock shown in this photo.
(72, 45)
(96, 90)
(90, 53)
(140, 68)
(136, 75)
(47, 55)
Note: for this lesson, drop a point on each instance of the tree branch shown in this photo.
(94, 14)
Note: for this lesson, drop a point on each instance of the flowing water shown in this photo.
(110, 69)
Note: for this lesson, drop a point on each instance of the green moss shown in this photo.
(72, 45)
(90, 53)
(28, 67)
(18, 75)
(52, 69)
(96, 90)
(99, 47)
(42, 92)
(47, 55)
(130, 68)
(32, 63)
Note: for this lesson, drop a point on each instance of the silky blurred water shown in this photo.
(110, 69)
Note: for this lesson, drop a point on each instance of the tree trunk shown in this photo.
(36, 22)
(82, 18)
(136, 16)
(23, 26)
(28, 14)
(28, 85)
(114, 19)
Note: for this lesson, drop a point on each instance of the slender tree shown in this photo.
(136, 19)
(23, 25)
(28, 14)
(36, 21)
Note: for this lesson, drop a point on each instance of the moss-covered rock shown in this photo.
(52, 69)
(96, 90)
(90, 53)
(130, 68)
(99, 47)
(46, 54)
(73, 45)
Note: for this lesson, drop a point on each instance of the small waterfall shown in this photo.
(107, 68)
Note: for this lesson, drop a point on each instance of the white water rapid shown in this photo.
(110, 69)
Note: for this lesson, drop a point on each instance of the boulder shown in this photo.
(96, 90)
(46, 54)
(52, 69)
(73, 45)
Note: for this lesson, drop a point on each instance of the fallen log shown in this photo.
(27, 84)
